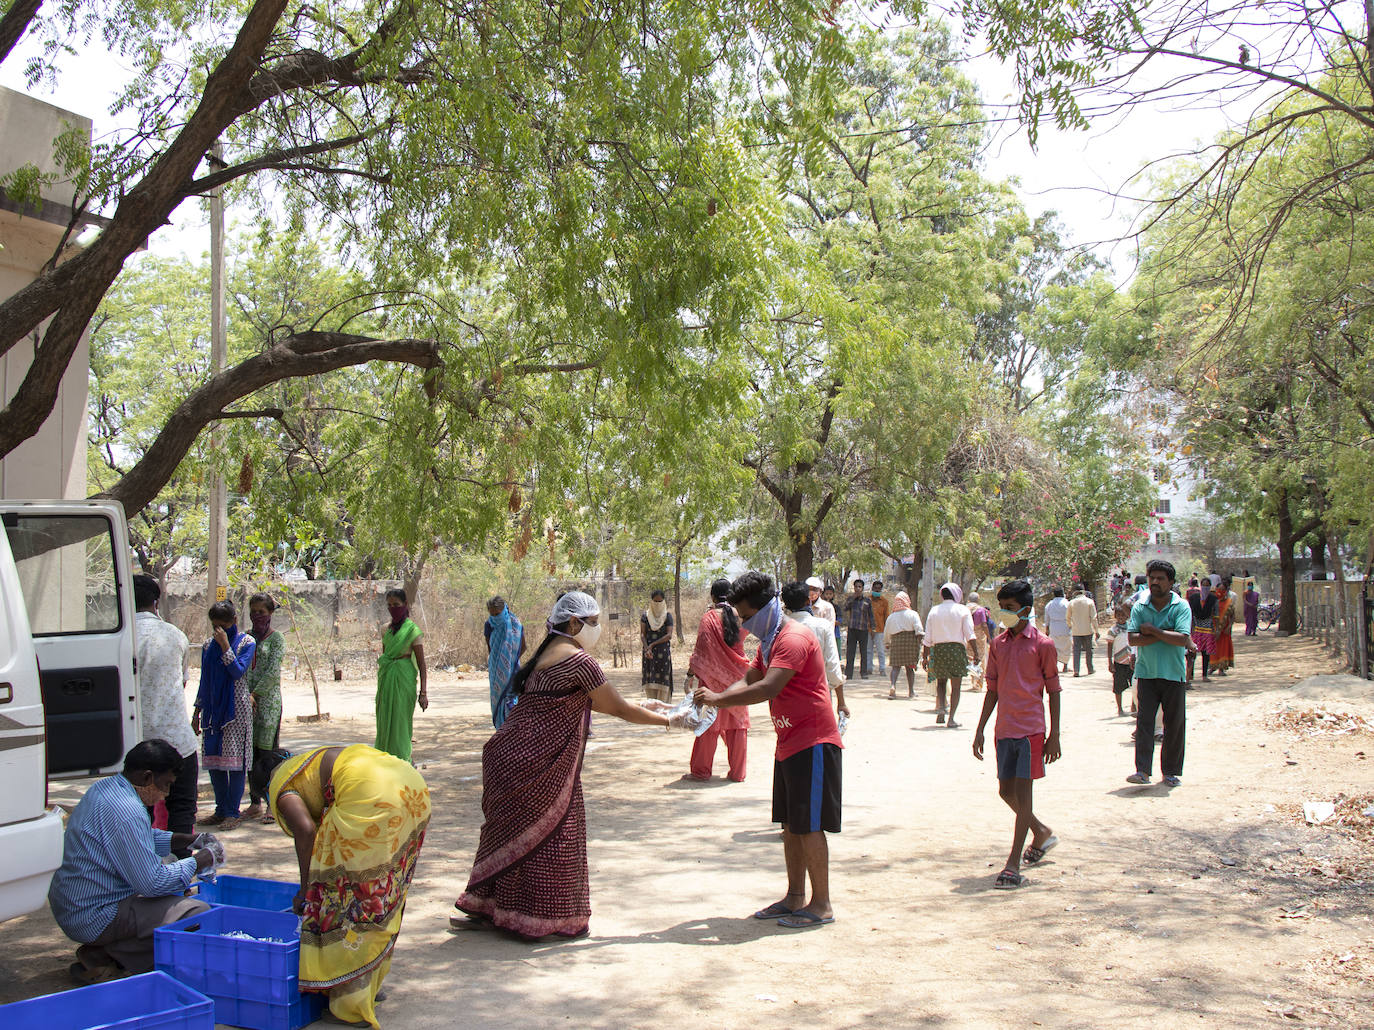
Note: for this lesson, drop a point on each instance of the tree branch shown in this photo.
(15, 23)
(303, 354)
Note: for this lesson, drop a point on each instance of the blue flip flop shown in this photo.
(773, 911)
(801, 919)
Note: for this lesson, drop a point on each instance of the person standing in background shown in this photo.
(1083, 627)
(1057, 626)
(264, 688)
(1252, 600)
(223, 714)
(162, 675)
(655, 633)
(949, 648)
(505, 644)
(902, 635)
(820, 607)
(858, 622)
(982, 638)
(399, 666)
(876, 643)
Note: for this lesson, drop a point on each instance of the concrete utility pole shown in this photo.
(217, 566)
(928, 594)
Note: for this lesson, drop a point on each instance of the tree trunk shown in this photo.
(1288, 590)
(677, 596)
(804, 555)
(1317, 552)
(1345, 645)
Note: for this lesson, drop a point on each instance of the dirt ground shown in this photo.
(1213, 902)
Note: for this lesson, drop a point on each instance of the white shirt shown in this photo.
(823, 609)
(824, 632)
(162, 682)
(1057, 617)
(902, 622)
(949, 623)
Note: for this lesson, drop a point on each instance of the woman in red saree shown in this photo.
(530, 873)
(718, 662)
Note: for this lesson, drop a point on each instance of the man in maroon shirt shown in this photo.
(789, 673)
(1022, 669)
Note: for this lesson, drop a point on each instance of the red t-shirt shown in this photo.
(801, 714)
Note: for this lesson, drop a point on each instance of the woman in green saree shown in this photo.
(400, 664)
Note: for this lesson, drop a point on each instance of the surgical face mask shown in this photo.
(588, 635)
(150, 793)
(1007, 619)
(877, 593)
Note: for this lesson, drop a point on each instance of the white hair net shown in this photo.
(574, 602)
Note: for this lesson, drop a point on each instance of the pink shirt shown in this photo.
(1021, 669)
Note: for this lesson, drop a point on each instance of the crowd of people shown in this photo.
(358, 814)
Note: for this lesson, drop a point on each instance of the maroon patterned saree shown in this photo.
(530, 874)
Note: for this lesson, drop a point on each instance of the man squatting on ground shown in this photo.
(789, 673)
(112, 889)
(1022, 670)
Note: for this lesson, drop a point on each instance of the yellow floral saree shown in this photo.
(372, 817)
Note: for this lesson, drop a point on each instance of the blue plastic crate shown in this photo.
(253, 984)
(152, 1000)
(250, 892)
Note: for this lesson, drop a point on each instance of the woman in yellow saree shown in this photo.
(358, 817)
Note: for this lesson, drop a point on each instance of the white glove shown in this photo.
(679, 720)
(653, 704)
(209, 842)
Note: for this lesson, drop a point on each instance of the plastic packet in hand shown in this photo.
(844, 722)
(975, 669)
(699, 719)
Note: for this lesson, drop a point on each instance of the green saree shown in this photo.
(397, 690)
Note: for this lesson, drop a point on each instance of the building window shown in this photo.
(1162, 539)
(1162, 506)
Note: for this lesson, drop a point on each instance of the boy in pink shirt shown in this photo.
(1022, 668)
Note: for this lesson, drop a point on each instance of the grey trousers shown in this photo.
(128, 940)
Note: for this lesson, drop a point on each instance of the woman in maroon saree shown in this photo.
(530, 873)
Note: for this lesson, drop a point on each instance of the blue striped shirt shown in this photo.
(111, 852)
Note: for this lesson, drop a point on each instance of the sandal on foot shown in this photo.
(774, 911)
(1007, 880)
(801, 919)
(939, 718)
(1136, 777)
(952, 725)
(1033, 854)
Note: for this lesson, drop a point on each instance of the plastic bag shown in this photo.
(699, 719)
(975, 670)
(843, 722)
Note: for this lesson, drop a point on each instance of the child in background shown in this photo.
(1121, 657)
(1022, 673)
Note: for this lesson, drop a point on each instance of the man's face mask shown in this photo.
(1007, 618)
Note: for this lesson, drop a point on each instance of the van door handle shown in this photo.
(6, 693)
(77, 688)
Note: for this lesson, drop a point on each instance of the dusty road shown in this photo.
(1212, 905)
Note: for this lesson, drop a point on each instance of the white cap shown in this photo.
(574, 602)
(816, 582)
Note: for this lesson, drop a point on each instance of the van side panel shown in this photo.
(23, 777)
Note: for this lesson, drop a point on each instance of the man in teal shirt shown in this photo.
(1160, 628)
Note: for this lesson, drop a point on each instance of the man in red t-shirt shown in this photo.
(1022, 675)
(789, 673)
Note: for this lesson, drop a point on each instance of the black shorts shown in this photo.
(806, 790)
(1121, 677)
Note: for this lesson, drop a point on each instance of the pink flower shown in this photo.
(997, 523)
(1128, 522)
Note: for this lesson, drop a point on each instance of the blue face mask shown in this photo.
(877, 593)
(764, 625)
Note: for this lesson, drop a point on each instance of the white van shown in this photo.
(68, 692)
